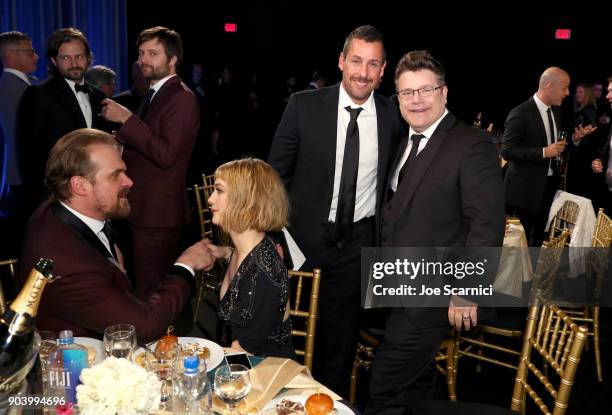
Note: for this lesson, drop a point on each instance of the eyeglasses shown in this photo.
(424, 92)
(28, 51)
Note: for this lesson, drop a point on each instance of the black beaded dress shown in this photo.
(255, 302)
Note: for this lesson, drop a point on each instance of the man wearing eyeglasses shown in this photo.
(444, 190)
(62, 103)
(19, 60)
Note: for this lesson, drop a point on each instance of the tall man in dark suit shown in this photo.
(331, 150)
(532, 176)
(18, 59)
(444, 190)
(62, 103)
(88, 184)
(158, 140)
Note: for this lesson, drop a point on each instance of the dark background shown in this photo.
(493, 53)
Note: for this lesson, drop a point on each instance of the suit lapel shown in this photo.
(537, 120)
(159, 96)
(425, 158)
(328, 120)
(66, 95)
(398, 157)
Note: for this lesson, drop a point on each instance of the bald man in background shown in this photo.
(529, 146)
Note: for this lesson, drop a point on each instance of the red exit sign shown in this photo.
(563, 34)
(230, 27)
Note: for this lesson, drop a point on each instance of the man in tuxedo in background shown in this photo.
(18, 59)
(532, 175)
(444, 190)
(158, 142)
(88, 184)
(331, 149)
(62, 103)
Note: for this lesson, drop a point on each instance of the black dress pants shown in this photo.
(403, 372)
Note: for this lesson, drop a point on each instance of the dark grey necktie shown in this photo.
(108, 232)
(144, 104)
(345, 211)
(409, 163)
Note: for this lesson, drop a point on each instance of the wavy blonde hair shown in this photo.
(256, 197)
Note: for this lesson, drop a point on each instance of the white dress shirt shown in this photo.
(95, 225)
(157, 85)
(542, 107)
(365, 197)
(427, 135)
(84, 103)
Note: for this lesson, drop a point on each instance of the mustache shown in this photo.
(361, 79)
(76, 69)
(124, 193)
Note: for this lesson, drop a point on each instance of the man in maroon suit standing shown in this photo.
(158, 141)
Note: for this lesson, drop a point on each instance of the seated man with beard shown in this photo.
(88, 184)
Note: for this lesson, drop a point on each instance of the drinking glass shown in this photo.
(161, 362)
(561, 136)
(232, 384)
(120, 340)
(48, 343)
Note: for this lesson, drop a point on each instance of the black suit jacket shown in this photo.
(522, 144)
(304, 155)
(47, 112)
(453, 198)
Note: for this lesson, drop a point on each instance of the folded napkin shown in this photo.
(268, 378)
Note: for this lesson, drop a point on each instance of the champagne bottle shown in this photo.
(17, 323)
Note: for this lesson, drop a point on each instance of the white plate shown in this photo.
(216, 351)
(96, 344)
(270, 408)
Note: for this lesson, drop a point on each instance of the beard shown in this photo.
(74, 74)
(155, 73)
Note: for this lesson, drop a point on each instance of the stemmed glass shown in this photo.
(232, 384)
(561, 136)
(48, 343)
(161, 362)
(120, 340)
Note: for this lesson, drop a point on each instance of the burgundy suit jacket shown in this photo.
(91, 292)
(157, 154)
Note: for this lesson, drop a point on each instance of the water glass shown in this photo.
(161, 362)
(120, 340)
(48, 343)
(232, 384)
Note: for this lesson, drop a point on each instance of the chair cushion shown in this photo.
(435, 407)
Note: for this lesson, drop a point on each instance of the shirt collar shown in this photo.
(345, 101)
(95, 225)
(432, 128)
(157, 85)
(541, 105)
(18, 74)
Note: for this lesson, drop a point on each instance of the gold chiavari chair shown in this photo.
(465, 345)
(10, 266)
(558, 342)
(306, 310)
(597, 265)
(565, 218)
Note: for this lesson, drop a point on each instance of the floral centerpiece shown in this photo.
(118, 386)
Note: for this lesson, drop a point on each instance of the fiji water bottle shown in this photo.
(65, 365)
(192, 389)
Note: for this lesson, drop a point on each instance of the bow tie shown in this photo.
(82, 88)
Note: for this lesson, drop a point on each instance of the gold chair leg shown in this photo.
(596, 343)
(354, 374)
(199, 298)
(451, 375)
(478, 365)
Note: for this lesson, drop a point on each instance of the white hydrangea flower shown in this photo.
(118, 387)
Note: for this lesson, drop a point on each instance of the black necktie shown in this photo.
(144, 104)
(345, 211)
(82, 88)
(551, 126)
(108, 232)
(416, 139)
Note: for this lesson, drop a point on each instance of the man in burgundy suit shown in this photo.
(158, 140)
(88, 185)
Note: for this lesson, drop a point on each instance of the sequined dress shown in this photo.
(255, 302)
